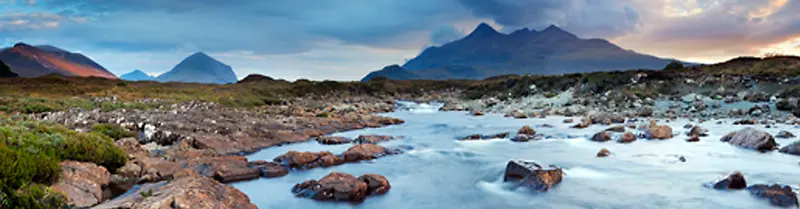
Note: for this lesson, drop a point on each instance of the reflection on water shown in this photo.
(441, 172)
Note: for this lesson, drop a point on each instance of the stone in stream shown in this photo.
(602, 136)
(532, 175)
(569, 120)
(225, 169)
(371, 139)
(476, 113)
(485, 137)
(697, 130)
(527, 130)
(342, 187)
(308, 160)
(628, 137)
(603, 153)
(332, 140)
(734, 181)
(784, 135)
(778, 195)
(751, 138)
(269, 169)
(658, 131)
(693, 138)
(619, 128)
(792, 149)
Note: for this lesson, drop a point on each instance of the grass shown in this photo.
(113, 131)
(30, 152)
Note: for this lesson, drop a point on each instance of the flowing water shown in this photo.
(442, 172)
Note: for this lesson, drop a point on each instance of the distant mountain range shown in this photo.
(486, 52)
(200, 68)
(137, 75)
(33, 61)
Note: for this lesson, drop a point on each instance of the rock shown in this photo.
(784, 135)
(365, 152)
(518, 115)
(476, 113)
(628, 137)
(532, 175)
(792, 149)
(372, 139)
(569, 120)
(525, 137)
(605, 118)
(308, 160)
(225, 169)
(659, 132)
(693, 138)
(331, 140)
(484, 137)
(527, 130)
(619, 128)
(751, 138)
(697, 131)
(603, 153)
(644, 111)
(82, 183)
(188, 189)
(269, 169)
(602, 136)
(334, 187)
(472, 137)
(585, 122)
(376, 184)
(734, 181)
(745, 122)
(778, 195)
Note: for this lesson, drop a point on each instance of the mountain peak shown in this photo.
(200, 68)
(22, 44)
(136, 75)
(483, 30)
(555, 31)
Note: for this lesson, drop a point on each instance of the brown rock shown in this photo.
(782, 196)
(372, 139)
(82, 183)
(619, 128)
(297, 159)
(693, 138)
(223, 168)
(569, 120)
(734, 181)
(269, 169)
(527, 130)
(476, 113)
(628, 137)
(364, 152)
(533, 175)
(188, 189)
(603, 153)
(697, 130)
(659, 132)
(602, 136)
(333, 187)
(376, 184)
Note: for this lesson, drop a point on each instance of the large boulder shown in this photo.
(342, 187)
(532, 175)
(751, 138)
(188, 189)
(793, 148)
(734, 181)
(225, 169)
(82, 183)
(782, 196)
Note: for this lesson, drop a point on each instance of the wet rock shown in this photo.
(628, 137)
(784, 135)
(371, 139)
(376, 184)
(518, 115)
(603, 153)
(332, 140)
(745, 122)
(734, 181)
(525, 137)
(697, 131)
(619, 128)
(602, 136)
(308, 160)
(269, 169)
(533, 175)
(188, 189)
(527, 130)
(693, 138)
(366, 152)
(792, 149)
(584, 123)
(82, 183)
(472, 137)
(751, 138)
(782, 196)
(225, 169)
(605, 118)
(569, 120)
(659, 132)
(476, 113)
(342, 187)
(485, 137)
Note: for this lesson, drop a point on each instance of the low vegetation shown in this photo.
(30, 153)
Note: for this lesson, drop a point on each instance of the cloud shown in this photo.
(445, 33)
(29, 21)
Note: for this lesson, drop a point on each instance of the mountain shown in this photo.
(199, 68)
(5, 72)
(137, 75)
(33, 61)
(486, 52)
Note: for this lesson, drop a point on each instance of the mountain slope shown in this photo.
(199, 68)
(33, 61)
(137, 75)
(486, 52)
(5, 72)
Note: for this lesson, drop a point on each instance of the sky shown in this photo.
(345, 39)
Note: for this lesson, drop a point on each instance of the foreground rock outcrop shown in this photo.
(533, 175)
(82, 183)
(751, 138)
(188, 189)
(342, 187)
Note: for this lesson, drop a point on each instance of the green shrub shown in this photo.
(37, 108)
(323, 115)
(34, 196)
(674, 65)
(112, 130)
(122, 84)
(96, 148)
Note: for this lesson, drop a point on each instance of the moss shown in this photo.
(112, 130)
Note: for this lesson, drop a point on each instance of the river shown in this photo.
(442, 172)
